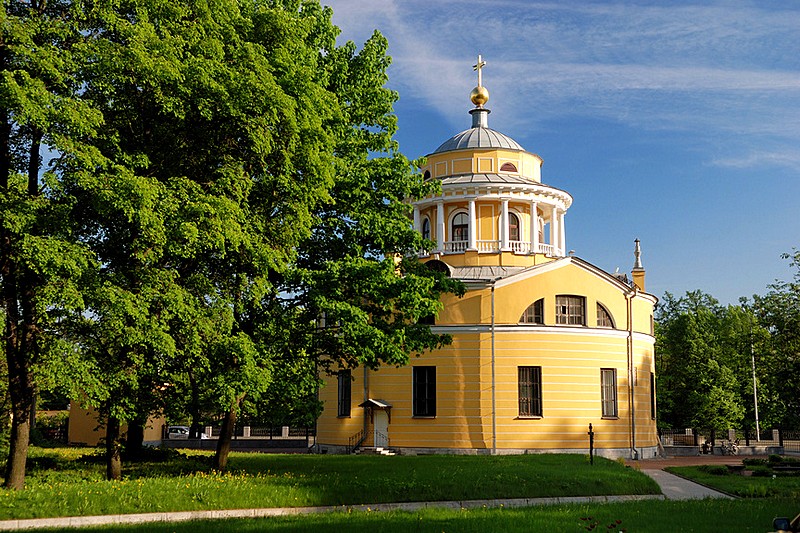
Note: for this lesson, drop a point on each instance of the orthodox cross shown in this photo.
(481, 63)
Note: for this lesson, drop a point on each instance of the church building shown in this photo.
(545, 345)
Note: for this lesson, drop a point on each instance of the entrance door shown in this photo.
(381, 429)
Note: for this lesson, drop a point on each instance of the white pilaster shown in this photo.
(554, 229)
(416, 219)
(440, 225)
(473, 226)
(534, 227)
(562, 231)
(504, 227)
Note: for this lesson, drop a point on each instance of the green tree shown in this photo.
(41, 50)
(779, 312)
(697, 384)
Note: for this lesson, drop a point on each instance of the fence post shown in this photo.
(591, 444)
(696, 437)
(780, 436)
(746, 436)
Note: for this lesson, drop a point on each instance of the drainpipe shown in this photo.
(366, 398)
(631, 403)
(494, 393)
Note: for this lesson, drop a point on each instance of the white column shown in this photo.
(416, 219)
(554, 229)
(534, 227)
(440, 225)
(504, 227)
(562, 231)
(473, 226)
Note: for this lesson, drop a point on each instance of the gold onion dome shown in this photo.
(479, 96)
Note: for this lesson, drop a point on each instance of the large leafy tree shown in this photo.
(697, 383)
(42, 118)
(224, 175)
(779, 312)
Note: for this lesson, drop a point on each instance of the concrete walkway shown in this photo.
(181, 516)
(677, 488)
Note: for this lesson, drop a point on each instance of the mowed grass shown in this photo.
(752, 486)
(703, 516)
(61, 482)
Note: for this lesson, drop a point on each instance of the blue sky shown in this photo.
(674, 122)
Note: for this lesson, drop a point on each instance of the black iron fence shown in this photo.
(705, 439)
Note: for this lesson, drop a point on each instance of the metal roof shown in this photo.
(487, 177)
(478, 137)
(484, 273)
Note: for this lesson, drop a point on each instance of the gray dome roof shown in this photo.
(478, 137)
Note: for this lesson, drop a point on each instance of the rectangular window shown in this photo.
(608, 391)
(345, 386)
(653, 395)
(424, 393)
(530, 390)
(571, 310)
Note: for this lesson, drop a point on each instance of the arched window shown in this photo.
(427, 175)
(534, 314)
(508, 167)
(604, 319)
(460, 227)
(513, 227)
(426, 228)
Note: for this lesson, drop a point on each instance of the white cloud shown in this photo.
(715, 70)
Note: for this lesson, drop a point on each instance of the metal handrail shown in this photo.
(355, 441)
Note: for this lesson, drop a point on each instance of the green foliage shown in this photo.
(223, 174)
(779, 312)
(715, 470)
(702, 362)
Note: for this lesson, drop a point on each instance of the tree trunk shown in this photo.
(225, 437)
(134, 441)
(18, 446)
(113, 458)
(194, 408)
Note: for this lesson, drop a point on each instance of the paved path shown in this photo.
(677, 488)
(673, 488)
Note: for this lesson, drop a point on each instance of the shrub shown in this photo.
(761, 471)
(714, 470)
(754, 462)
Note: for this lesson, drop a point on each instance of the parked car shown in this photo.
(181, 433)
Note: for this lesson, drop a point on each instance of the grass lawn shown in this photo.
(711, 516)
(62, 482)
(759, 485)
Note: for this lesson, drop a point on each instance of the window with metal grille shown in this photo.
(604, 319)
(424, 391)
(571, 310)
(345, 387)
(530, 390)
(608, 392)
(534, 314)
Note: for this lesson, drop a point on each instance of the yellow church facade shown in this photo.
(543, 343)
